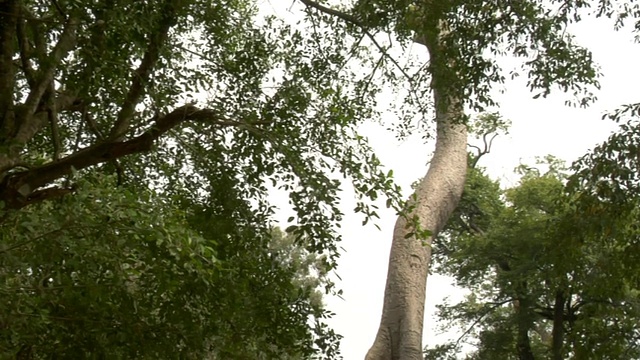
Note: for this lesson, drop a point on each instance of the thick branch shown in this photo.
(52, 113)
(20, 189)
(523, 307)
(28, 122)
(142, 73)
(8, 19)
(25, 51)
(45, 77)
(329, 11)
(48, 194)
(558, 326)
(9, 159)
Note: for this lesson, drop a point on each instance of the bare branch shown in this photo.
(488, 143)
(481, 152)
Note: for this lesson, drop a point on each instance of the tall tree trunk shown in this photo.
(400, 333)
(558, 326)
(524, 318)
(9, 10)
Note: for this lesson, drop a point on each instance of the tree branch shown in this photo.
(479, 319)
(481, 152)
(365, 29)
(60, 11)
(48, 194)
(557, 332)
(141, 75)
(25, 50)
(20, 189)
(8, 20)
(28, 122)
(63, 46)
(91, 123)
(52, 113)
(329, 11)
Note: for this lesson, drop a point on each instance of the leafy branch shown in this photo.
(19, 189)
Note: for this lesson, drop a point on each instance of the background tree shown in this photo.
(583, 277)
(543, 273)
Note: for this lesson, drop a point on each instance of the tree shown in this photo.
(462, 39)
(138, 144)
(544, 275)
(127, 275)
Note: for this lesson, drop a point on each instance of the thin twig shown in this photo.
(485, 313)
(365, 29)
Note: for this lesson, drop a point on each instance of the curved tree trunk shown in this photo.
(400, 334)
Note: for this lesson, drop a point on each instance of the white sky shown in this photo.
(539, 127)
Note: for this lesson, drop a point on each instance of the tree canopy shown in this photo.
(139, 141)
(546, 267)
(118, 274)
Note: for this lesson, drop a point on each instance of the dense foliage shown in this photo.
(547, 268)
(139, 142)
(117, 274)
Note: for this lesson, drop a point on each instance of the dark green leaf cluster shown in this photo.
(551, 266)
(126, 274)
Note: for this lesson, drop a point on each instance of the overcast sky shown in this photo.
(539, 127)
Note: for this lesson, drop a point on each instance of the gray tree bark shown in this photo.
(399, 336)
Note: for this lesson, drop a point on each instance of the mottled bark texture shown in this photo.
(400, 334)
